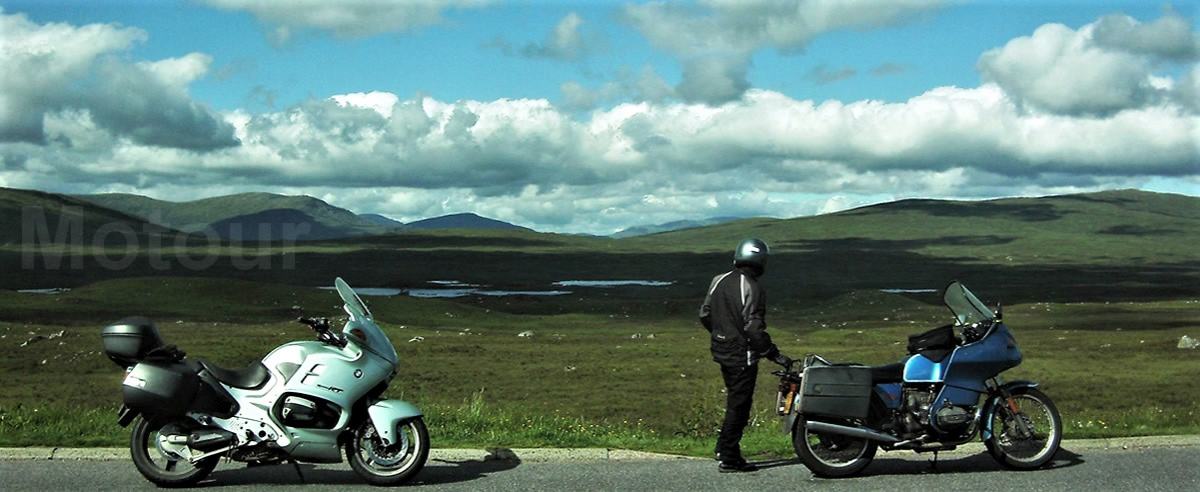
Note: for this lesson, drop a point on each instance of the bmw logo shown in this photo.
(358, 373)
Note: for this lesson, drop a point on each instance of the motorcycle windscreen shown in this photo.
(354, 304)
(966, 307)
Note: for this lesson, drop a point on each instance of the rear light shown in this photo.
(785, 397)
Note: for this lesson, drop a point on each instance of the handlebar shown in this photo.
(324, 334)
(318, 324)
(788, 374)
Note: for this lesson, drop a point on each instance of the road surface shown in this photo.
(1166, 468)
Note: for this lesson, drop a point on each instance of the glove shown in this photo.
(782, 360)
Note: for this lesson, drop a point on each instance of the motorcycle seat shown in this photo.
(891, 373)
(249, 377)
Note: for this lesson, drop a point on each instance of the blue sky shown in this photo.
(254, 76)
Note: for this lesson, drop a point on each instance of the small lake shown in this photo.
(452, 289)
(451, 293)
(56, 290)
(612, 283)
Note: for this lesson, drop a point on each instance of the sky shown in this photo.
(593, 116)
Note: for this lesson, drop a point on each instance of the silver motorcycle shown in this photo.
(303, 402)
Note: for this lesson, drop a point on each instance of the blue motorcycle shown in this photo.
(947, 391)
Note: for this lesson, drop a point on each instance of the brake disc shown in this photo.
(385, 456)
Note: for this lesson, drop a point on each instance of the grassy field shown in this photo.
(638, 379)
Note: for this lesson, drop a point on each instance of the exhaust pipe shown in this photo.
(859, 432)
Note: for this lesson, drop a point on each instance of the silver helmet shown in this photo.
(752, 252)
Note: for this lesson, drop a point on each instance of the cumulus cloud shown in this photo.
(500, 147)
(1098, 69)
(563, 43)
(76, 71)
(347, 18)
(1170, 36)
(642, 85)
(715, 39)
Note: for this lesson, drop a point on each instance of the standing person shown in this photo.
(734, 313)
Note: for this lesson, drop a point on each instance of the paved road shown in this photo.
(1134, 469)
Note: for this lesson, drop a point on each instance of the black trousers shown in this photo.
(739, 394)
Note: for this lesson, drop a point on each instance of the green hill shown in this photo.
(463, 221)
(35, 216)
(198, 215)
(1123, 226)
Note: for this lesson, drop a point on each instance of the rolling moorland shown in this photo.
(1098, 287)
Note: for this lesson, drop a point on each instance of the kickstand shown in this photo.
(298, 472)
(933, 462)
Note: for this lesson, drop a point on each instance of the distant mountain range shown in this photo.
(246, 216)
(1121, 224)
(643, 230)
(243, 216)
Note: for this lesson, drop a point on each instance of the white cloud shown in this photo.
(643, 85)
(346, 18)
(1170, 36)
(380, 102)
(1101, 68)
(502, 146)
(178, 72)
(715, 39)
(58, 68)
(563, 43)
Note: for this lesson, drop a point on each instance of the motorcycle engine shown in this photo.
(298, 411)
(916, 406)
(950, 416)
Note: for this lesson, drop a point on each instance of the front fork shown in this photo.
(1007, 407)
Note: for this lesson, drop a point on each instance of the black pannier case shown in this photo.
(166, 388)
(836, 391)
(934, 344)
(128, 341)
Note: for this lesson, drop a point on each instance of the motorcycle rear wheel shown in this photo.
(389, 465)
(1018, 452)
(831, 455)
(159, 466)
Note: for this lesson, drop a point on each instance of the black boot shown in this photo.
(736, 466)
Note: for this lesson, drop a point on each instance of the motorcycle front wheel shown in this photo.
(389, 465)
(1028, 446)
(155, 460)
(831, 455)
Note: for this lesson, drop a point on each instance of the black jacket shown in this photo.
(734, 313)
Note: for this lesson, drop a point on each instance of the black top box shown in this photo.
(128, 341)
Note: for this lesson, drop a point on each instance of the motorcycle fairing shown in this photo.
(971, 365)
